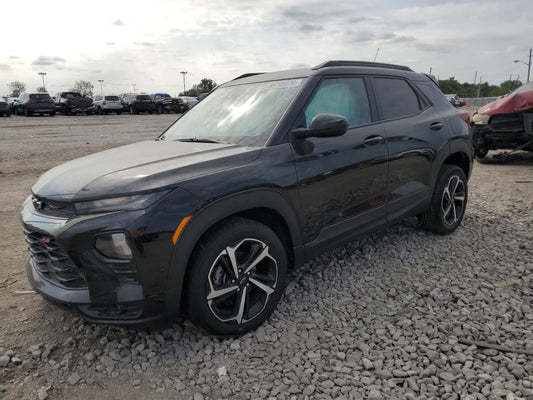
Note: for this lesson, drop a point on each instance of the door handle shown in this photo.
(436, 126)
(373, 140)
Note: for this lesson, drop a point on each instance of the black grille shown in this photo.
(53, 208)
(52, 261)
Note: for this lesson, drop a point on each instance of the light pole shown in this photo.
(183, 73)
(42, 76)
(134, 85)
(526, 63)
(101, 90)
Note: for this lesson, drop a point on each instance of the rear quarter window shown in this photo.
(435, 96)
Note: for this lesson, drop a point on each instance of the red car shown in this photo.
(506, 123)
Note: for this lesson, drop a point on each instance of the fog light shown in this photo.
(114, 245)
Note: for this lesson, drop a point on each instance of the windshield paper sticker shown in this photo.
(289, 83)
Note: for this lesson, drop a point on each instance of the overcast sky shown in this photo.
(148, 43)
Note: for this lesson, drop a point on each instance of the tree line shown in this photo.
(86, 88)
(477, 89)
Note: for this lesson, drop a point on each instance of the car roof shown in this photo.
(334, 67)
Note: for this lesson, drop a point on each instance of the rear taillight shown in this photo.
(30, 101)
(104, 103)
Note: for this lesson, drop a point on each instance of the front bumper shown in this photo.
(111, 291)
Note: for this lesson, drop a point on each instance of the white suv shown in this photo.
(106, 104)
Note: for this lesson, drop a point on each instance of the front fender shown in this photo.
(212, 214)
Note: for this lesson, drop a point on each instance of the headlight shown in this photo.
(128, 203)
(480, 119)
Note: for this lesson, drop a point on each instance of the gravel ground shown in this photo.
(400, 314)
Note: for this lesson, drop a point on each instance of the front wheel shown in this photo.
(448, 204)
(236, 277)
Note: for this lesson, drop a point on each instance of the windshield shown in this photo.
(524, 88)
(243, 114)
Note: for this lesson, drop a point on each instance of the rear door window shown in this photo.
(395, 97)
(341, 96)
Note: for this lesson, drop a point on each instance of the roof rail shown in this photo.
(345, 63)
(247, 75)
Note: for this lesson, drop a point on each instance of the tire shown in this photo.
(119, 112)
(159, 109)
(132, 111)
(448, 203)
(88, 113)
(26, 113)
(222, 296)
(53, 114)
(99, 111)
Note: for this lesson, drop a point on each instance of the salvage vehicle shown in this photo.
(506, 123)
(72, 103)
(34, 103)
(266, 172)
(166, 103)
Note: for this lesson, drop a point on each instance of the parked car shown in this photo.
(455, 100)
(125, 107)
(34, 103)
(189, 101)
(9, 100)
(207, 219)
(5, 108)
(165, 103)
(72, 103)
(106, 104)
(506, 123)
(137, 103)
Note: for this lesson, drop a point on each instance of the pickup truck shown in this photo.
(165, 103)
(73, 102)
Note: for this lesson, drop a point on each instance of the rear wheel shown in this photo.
(26, 112)
(236, 277)
(448, 204)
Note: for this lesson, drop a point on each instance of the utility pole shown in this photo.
(183, 73)
(479, 87)
(475, 80)
(42, 76)
(526, 63)
(101, 90)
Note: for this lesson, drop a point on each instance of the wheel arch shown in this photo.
(267, 206)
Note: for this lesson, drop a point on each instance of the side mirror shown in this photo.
(322, 126)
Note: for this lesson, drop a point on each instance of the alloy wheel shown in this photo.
(241, 280)
(453, 200)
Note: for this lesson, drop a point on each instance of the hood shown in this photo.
(138, 167)
(509, 104)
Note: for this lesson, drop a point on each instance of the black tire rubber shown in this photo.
(197, 285)
(119, 112)
(433, 218)
(26, 113)
(53, 114)
(159, 109)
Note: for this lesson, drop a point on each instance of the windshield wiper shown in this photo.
(200, 140)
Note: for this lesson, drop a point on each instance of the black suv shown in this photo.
(264, 173)
(137, 103)
(34, 103)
